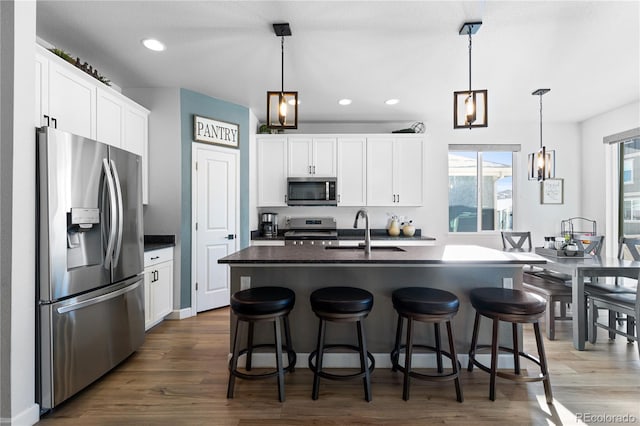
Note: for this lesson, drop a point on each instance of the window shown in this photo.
(481, 187)
(629, 200)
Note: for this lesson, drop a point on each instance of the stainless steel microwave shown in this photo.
(312, 191)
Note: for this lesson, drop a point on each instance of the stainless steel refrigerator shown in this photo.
(90, 292)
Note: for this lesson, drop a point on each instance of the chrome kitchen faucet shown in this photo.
(367, 233)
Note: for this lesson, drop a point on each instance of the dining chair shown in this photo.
(627, 249)
(623, 303)
(556, 287)
(590, 244)
(514, 241)
(552, 289)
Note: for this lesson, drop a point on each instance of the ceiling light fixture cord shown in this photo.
(282, 63)
(469, 61)
(540, 120)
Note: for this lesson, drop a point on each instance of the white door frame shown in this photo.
(194, 203)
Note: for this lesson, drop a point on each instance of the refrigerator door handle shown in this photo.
(116, 256)
(108, 256)
(99, 299)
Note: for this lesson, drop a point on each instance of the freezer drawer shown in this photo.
(83, 338)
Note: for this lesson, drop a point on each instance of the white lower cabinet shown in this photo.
(158, 285)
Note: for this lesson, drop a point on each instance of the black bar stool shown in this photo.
(341, 304)
(256, 305)
(426, 305)
(514, 306)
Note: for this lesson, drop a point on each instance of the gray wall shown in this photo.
(162, 215)
(196, 103)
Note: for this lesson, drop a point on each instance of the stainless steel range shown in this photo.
(311, 231)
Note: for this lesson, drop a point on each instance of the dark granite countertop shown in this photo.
(155, 242)
(419, 255)
(354, 234)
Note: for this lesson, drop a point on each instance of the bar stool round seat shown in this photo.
(257, 305)
(341, 304)
(515, 307)
(426, 305)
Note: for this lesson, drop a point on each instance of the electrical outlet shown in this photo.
(245, 283)
(507, 283)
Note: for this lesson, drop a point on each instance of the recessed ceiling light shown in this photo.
(153, 44)
(344, 101)
(391, 101)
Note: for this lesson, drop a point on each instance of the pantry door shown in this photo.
(215, 220)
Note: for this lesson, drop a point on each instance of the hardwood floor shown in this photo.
(179, 377)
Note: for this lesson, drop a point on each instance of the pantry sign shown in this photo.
(215, 132)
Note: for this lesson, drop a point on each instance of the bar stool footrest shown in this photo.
(325, 375)
(396, 366)
(291, 355)
(511, 376)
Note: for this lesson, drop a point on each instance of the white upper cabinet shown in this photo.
(408, 171)
(272, 171)
(380, 172)
(70, 100)
(394, 171)
(135, 139)
(42, 91)
(311, 157)
(371, 170)
(352, 171)
(110, 111)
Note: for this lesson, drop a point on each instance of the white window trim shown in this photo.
(612, 187)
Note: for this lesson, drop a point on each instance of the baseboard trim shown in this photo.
(178, 314)
(30, 416)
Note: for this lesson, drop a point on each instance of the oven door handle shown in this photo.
(326, 191)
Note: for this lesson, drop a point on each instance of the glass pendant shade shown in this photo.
(542, 164)
(282, 110)
(470, 109)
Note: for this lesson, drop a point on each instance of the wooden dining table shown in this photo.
(588, 266)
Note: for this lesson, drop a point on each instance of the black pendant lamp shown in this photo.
(542, 164)
(282, 107)
(470, 106)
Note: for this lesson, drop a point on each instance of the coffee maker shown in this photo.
(269, 225)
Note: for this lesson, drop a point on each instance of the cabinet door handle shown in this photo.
(398, 197)
(47, 117)
(55, 123)
(285, 198)
(231, 236)
(314, 170)
(394, 198)
(155, 257)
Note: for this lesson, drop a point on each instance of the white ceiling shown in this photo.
(587, 52)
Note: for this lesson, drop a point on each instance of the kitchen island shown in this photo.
(455, 268)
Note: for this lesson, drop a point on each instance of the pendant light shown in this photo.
(282, 107)
(470, 106)
(542, 164)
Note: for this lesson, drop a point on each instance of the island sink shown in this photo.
(358, 248)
